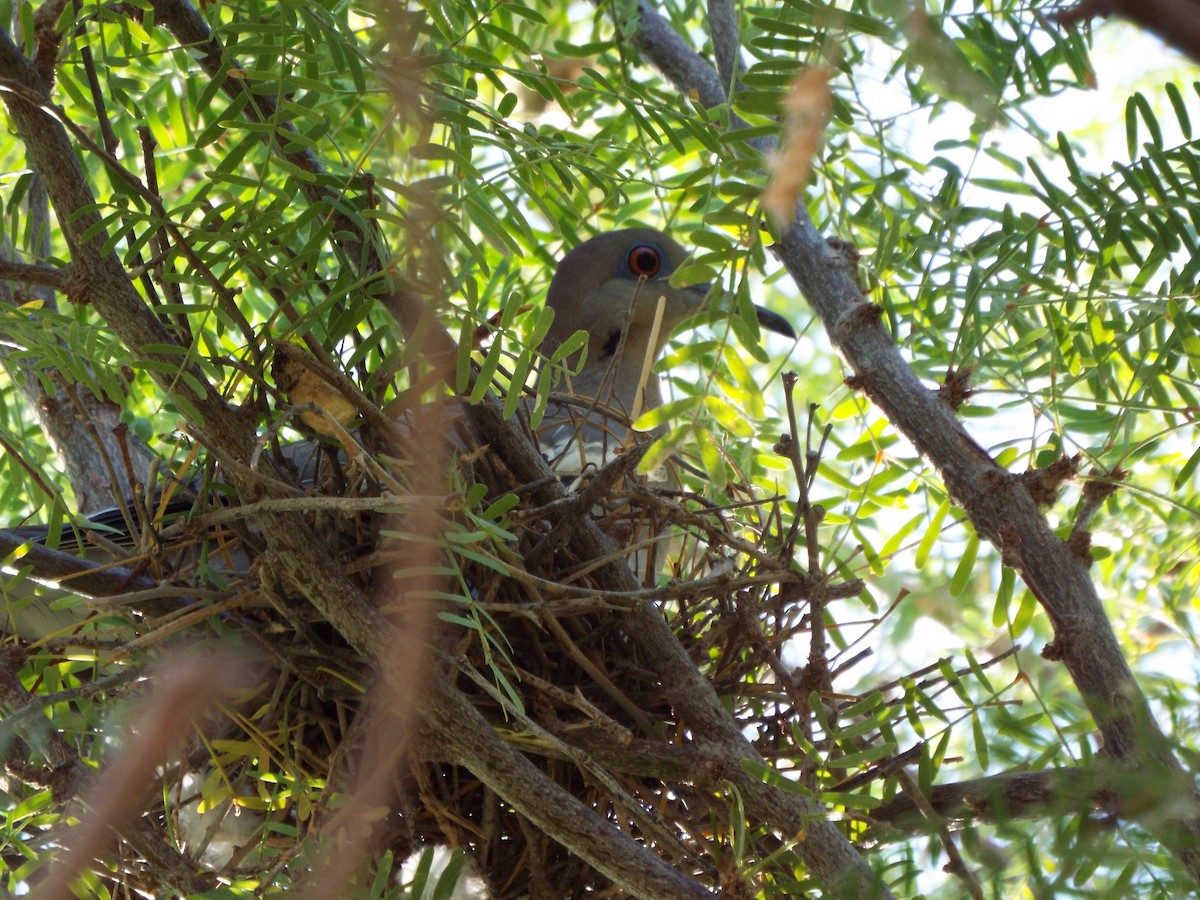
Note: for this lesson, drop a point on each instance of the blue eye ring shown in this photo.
(644, 261)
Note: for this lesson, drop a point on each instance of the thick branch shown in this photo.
(103, 280)
(726, 40)
(676, 58)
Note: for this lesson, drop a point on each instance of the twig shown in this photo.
(62, 279)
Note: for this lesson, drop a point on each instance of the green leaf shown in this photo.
(981, 742)
(1024, 617)
(771, 776)
(932, 533)
(966, 567)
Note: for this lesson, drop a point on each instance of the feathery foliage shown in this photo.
(348, 179)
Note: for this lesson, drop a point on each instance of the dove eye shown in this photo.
(645, 261)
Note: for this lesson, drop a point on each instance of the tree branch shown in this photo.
(726, 40)
(997, 798)
(1177, 22)
(58, 279)
(1001, 510)
(103, 280)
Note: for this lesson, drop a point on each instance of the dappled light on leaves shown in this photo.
(826, 530)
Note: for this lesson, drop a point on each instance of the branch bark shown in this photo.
(1000, 798)
(58, 279)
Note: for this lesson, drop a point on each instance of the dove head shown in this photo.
(613, 287)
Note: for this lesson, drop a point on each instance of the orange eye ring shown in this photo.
(644, 261)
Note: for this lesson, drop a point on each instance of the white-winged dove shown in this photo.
(615, 287)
